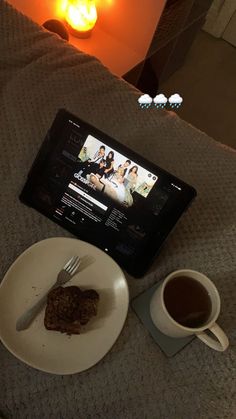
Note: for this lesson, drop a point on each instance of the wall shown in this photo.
(133, 22)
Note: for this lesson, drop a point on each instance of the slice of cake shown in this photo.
(70, 308)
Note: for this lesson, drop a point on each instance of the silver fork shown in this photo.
(69, 270)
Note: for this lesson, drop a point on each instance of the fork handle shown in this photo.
(29, 315)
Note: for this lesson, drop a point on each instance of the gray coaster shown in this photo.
(170, 346)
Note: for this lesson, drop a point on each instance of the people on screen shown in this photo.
(132, 178)
(99, 155)
(118, 181)
(109, 164)
(125, 166)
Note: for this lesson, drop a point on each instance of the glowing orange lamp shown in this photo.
(81, 16)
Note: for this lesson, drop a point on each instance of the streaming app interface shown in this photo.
(101, 192)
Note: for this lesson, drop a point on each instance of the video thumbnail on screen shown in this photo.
(113, 174)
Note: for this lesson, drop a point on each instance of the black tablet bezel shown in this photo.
(135, 266)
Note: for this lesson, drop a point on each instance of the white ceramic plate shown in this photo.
(30, 276)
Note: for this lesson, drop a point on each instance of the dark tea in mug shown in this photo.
(187, 301)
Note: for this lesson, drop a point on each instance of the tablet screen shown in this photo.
(105, 193)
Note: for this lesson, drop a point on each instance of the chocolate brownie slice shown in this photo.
(68, 308)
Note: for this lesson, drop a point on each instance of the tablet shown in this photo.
(105, 193)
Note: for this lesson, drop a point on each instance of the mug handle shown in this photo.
(223, 341)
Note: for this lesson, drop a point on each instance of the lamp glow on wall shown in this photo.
(81, 17)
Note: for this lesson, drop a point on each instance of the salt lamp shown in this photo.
(81, 16)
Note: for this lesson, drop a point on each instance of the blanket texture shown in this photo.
(39, 73)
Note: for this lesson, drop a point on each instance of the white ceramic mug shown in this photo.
(167, 325)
